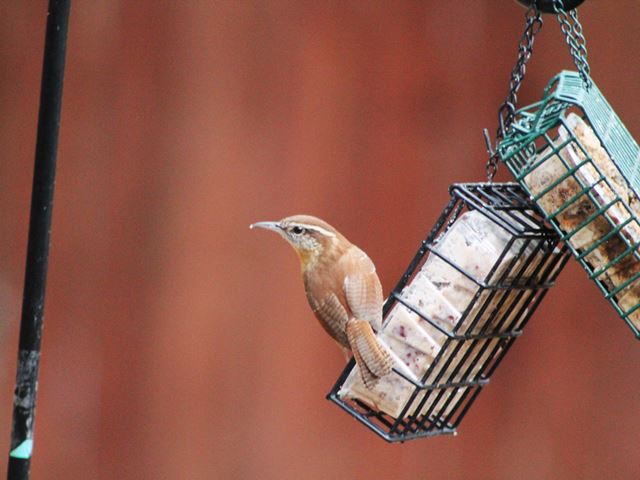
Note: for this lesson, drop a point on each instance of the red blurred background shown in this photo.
(178, 344)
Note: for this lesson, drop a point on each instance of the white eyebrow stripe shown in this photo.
(320, 230)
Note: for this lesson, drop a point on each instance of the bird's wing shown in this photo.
(332, 315)
(363, 290)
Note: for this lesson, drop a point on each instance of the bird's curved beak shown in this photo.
(275, 226)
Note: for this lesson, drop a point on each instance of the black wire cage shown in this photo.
(466, 296)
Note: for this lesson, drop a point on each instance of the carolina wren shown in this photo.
(342, 288)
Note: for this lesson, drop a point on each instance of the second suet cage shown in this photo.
(580, 164)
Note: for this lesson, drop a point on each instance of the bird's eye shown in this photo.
(297, 230)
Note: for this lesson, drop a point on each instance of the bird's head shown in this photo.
(309, 236)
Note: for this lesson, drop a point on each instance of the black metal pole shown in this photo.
(35, 280)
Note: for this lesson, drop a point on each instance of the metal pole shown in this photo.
(38, 245)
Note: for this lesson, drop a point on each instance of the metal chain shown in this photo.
(507, 111)
(572, 30)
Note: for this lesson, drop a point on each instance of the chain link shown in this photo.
(572, 30)
(507, 111)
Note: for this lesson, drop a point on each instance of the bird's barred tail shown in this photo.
(373, 360)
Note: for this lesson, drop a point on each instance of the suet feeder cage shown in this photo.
(466, 296)
(572, 154)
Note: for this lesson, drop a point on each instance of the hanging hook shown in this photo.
(487, 140)
(507, 111)
(492, 164)
(547, 6)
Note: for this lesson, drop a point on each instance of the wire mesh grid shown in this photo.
(465, 297)
(574, 156)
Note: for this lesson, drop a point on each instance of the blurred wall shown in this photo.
(178, 344)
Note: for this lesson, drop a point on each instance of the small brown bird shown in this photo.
(342, 288)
